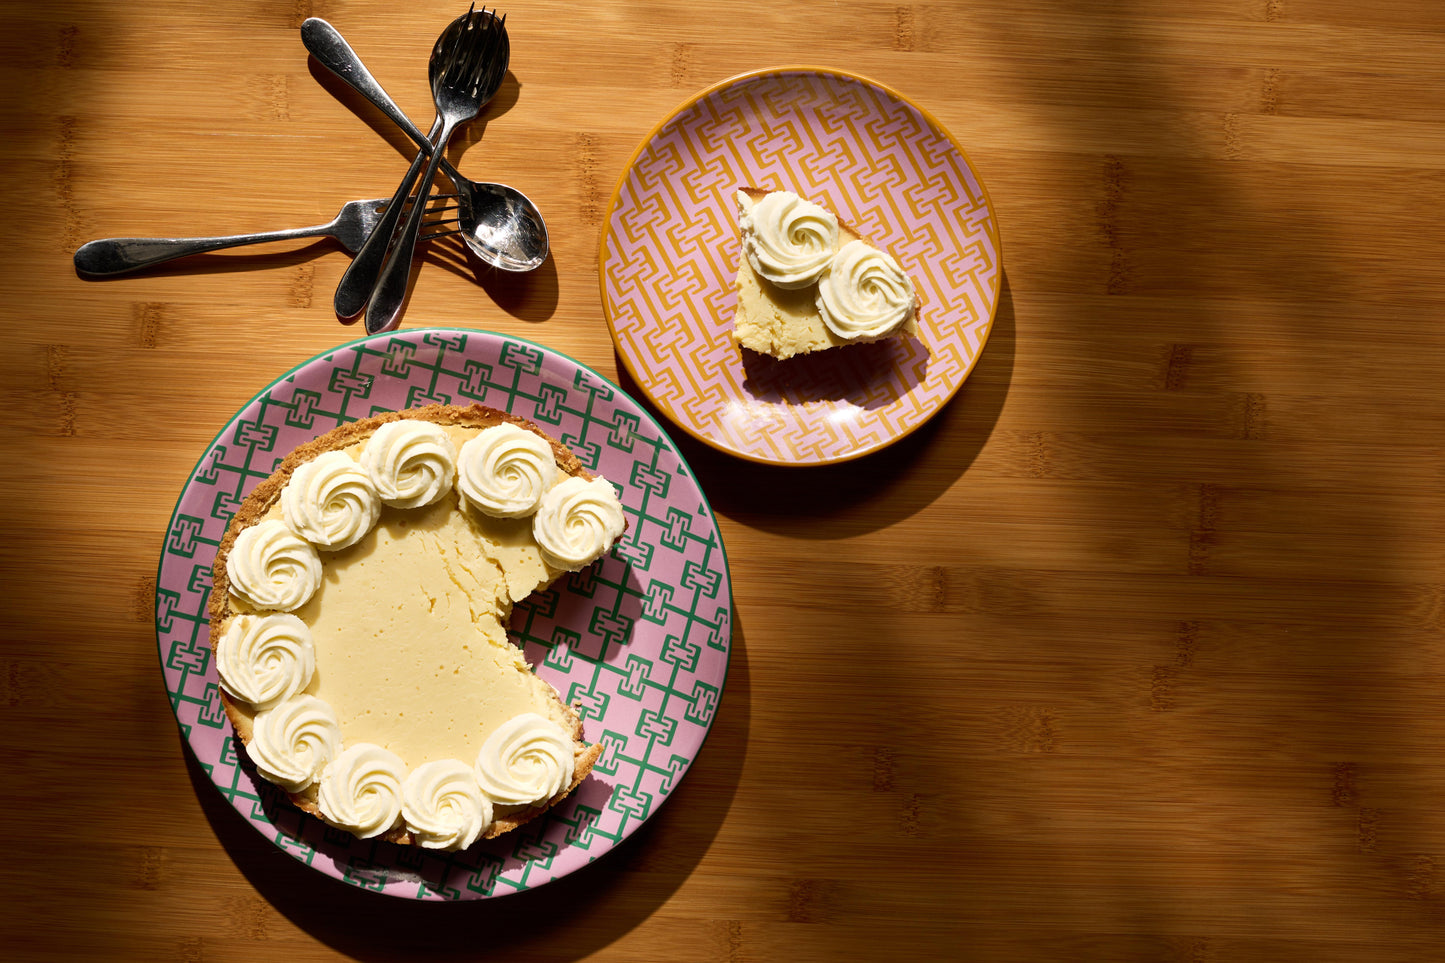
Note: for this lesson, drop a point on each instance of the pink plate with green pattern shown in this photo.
(669, 253)
(638, 641)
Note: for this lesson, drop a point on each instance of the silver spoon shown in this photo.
(466, 70)
(118, 255)
(500, 224)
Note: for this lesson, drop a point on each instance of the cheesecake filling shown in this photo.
(407, 625)
(392, 673)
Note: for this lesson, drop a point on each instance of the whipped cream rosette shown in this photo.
(443, 806)
(505, 470)
(527, 760)
(271, 567)
(294, 741)
(577, 521)
(265, 659)
(864, 293)
(412, 463)
(360, 790)
(788, 240)
(331, 501)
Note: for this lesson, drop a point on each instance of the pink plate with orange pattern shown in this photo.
(669, 252)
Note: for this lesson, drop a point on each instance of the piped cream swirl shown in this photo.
(577, 521)
(330, 501)
(271, 567)
(442, 805)
(265, 659)
(504, 471)
(292, 743)
(788, 240)
(360, 790)
(864, 293)
(412, 463)
(527, 759)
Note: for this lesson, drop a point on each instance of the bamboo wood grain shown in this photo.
(1136, 652)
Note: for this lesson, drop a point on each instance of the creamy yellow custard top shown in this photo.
(407, 628)
(378, 671)
(407, 625)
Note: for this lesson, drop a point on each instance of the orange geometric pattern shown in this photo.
(669, 254)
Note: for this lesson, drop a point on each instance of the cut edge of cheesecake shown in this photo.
(266, 494)
(783, 323)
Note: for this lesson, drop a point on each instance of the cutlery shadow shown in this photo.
(529, 296)
(468, 134)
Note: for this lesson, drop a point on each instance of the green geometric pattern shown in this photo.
(639, 641)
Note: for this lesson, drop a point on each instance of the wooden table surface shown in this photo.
(1134, 652)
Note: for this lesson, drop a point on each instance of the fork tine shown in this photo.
(501, 56)
(458, 41)
(483, 51)
(467, 44)
(491, 60)
(488, 55)
(475, 56)
(476, 37)
(455, 55)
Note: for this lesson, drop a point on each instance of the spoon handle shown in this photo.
(355, 287)
(383, 311)
(118, 255)
(325, 43)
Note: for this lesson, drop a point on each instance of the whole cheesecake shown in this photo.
(359, 617)
(808, 281)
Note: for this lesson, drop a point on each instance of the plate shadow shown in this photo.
(893, 483)
(601, 902)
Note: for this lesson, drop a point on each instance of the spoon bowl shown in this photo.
(499, 224)
(502, 221)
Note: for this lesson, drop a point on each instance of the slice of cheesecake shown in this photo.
(808, 281)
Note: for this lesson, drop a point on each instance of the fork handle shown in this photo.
(110, 256)
(383, 310)
(355, 287)
(325, 43)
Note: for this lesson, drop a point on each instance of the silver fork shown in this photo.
(351, 226)
(471, 72)
(357, 283)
